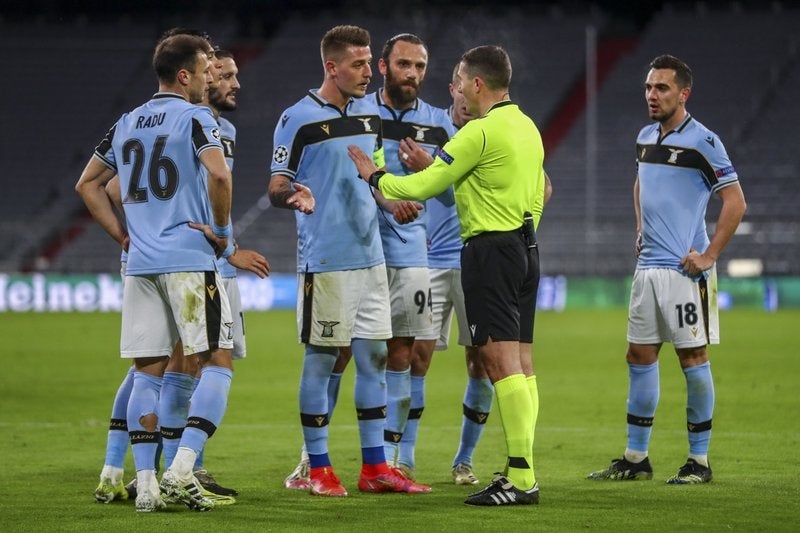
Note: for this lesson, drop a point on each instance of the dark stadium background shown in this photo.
(73, 67)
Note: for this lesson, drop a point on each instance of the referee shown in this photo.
(495, 163)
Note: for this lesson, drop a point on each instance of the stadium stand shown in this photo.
(80, 75)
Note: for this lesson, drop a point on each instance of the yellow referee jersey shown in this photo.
(496, 165)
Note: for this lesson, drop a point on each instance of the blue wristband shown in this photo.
(222, 231)
(229, 250)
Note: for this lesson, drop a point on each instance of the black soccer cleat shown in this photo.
(502, 492)
(622, 469)
(692, 473)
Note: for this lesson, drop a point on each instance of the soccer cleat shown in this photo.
(219, 499)
(691, 473)
(391, 481)
(187, 491)
(108, 491)
(210, 484)
(622, 469)
(323, 482)
(406, 470)
(130, 488)
(299, 478)
(502, 492)
(149, 500)
(463, 475)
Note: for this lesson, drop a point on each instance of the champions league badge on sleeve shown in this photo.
(281, 154)
(444, 156)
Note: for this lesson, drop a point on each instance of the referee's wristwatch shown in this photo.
(375, 177)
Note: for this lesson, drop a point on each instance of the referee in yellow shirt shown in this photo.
(495, 163)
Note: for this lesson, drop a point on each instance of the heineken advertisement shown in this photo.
(54, 293)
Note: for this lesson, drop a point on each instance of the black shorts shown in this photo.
(500, 278)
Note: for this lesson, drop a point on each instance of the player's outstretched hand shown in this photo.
(302, 200)
(251, 261)
(364, 164)
(413, 156)
(403, 211)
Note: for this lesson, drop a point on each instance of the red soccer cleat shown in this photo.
(325, 483)
(392, 480)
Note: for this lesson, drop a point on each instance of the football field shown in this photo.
(60, 373)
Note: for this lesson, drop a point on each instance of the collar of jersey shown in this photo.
(168, 95)
(324, 103)
(380, 102)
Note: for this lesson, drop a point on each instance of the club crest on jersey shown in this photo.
(420, 133)
(444, 156)
(327, 327)
(673, 158)
(367, 124)
(281, 154)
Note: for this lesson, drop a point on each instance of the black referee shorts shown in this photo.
(500, 278)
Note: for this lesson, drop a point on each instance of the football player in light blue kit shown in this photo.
(343, 295)
(674, 293)
(177, 223)
(222, 98)
(404, 115)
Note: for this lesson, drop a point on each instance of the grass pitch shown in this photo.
(61, 371)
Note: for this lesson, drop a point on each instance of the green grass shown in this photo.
(60, 373)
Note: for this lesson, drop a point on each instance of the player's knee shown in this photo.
(642, 354)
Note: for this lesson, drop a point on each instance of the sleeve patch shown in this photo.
(725, 171)
(281, 154)
(444, 156)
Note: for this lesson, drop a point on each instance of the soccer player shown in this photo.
(179, 379)
(343, 294)
(674, 289)
(403, 64)
(496, 166)
(177, 225)
(222, 97)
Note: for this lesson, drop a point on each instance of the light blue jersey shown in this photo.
(228, 138)
(311, 141)
(443, 227)
(155, 151)
(405, 245)
(677, 174)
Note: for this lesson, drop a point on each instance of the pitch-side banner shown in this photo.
(55, 293)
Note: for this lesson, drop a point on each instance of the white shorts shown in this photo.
(447, 296)
(667, 306)
(235, 301)
(409, 299)
(160, 309)
(335, 307)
